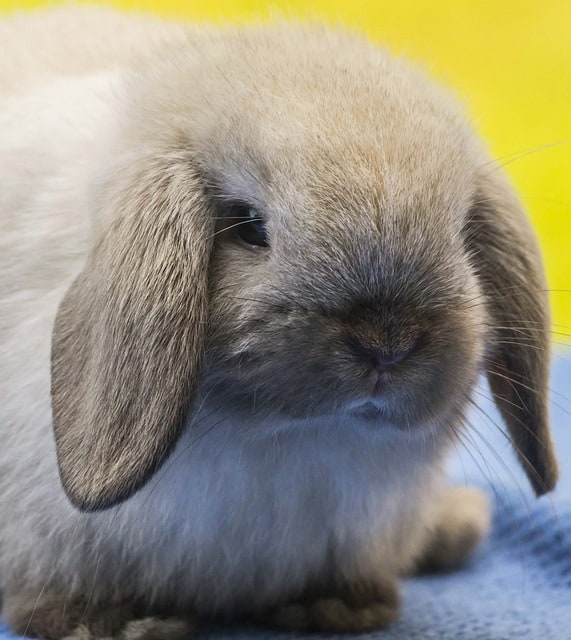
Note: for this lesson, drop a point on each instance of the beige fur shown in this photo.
(245, 430)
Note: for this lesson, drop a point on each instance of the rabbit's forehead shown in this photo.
(333, 172)
(300, 156)
(356, 202)
(391, 176)
(322, 126)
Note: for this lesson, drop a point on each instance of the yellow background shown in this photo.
(510, 61)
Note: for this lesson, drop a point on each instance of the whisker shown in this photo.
(492, 450)
(469, 447)
(507, 438)
(231, 226)
(561, 203)
(35, 607)
(518, 155)
(516, 383)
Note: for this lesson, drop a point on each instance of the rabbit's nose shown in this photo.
(382, 358)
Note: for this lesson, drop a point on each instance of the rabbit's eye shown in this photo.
(249, 226)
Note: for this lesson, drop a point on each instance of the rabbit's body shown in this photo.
(272, 519)
(299, 490)
(235, 518)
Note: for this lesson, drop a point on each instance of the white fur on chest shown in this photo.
(239, 513)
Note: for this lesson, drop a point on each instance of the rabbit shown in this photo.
(249, 277)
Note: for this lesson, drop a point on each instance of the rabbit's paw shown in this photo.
(349, 609)
(463, 521)
(142, 629)
(51, 615)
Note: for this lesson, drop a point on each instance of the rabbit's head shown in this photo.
(300, 226)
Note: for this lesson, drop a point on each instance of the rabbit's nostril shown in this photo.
(382, 358)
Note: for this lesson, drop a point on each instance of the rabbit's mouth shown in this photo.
(396, 405)
(380, 413)
(370, 410)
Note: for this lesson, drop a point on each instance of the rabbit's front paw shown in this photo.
(142, 629)
(353, 608)
(50, 614)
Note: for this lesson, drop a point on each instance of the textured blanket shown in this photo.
(519, 584)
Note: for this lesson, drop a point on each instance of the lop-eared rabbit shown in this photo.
(248, 279)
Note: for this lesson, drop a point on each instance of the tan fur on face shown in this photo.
(222, 394)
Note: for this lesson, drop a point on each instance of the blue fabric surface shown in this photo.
(519, 584)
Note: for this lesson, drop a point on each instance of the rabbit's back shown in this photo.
(50, 114)
(74, 41)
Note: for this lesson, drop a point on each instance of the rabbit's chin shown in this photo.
(371, 412)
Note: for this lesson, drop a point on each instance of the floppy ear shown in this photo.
(509, 266)
(128, 337)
